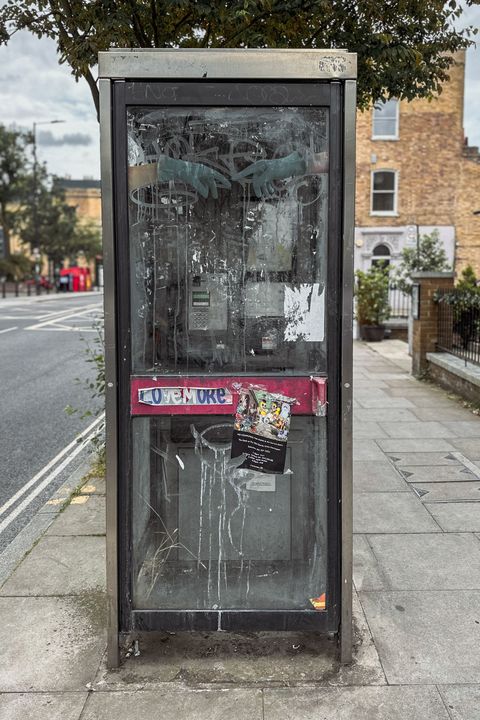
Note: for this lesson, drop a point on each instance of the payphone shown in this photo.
(228, 221)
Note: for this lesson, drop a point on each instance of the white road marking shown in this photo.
(8, 330)
(58, 322)
(51, 464)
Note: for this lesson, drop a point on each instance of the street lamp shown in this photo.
(36, 234)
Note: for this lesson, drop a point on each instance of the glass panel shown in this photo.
(383, 202)
(383, 127)
(207, 535)
(228, 236)
(385, 117)
(381, 250)
(384, 180)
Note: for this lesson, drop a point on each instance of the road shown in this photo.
(43, 349)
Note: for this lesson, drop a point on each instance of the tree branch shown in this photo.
(153, 9)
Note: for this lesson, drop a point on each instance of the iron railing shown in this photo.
(399, 303)
(458, 331)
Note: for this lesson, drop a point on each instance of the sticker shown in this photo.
(269, 342)
(262, 422)
(319, 603)
(184, 396)
(262, 483)
(304, 311)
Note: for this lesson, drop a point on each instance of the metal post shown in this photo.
(113, 651)
(346, 634)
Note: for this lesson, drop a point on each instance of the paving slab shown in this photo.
(96, 486)
(426, 637)
(448, 491)
(400, 459)
(408, 445)
(361, 383)
(87, 518)
(456, 516)
(377, 477)
(425, 561)
(42, 706)
(436, 473)
(418, 397)
(454, 414)
(385, 374)
(365, 450)
(366, 668)
(384, 415)
(462, 701)
(407, 382)
(388, 512)
(367, 703)
(367, 573)
(176, 704)
(381, 401)
(415, 429)
(51, 644)
(469, 446)
(367, 430)
(465, 429)
(60, 566)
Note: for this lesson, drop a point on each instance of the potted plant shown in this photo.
(372, 306)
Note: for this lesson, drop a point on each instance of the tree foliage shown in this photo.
(404, 47)
(13, 178)
(16, 267)
(54, 227)
(468, 280)
(371, 296)
(33, 207)
(428, 256)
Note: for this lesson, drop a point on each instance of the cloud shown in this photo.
(48, 139)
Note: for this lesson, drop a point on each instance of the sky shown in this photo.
(35, 88)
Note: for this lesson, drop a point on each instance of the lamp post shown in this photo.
(36, 234)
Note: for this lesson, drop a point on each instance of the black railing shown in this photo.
(16, 289)
(399, 303)
(458, 330)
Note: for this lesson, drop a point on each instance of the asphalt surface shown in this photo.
(43, 350)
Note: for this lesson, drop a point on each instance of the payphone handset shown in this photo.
(207, 302)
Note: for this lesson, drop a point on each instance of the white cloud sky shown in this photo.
(35, 88)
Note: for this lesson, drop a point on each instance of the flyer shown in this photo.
(262, 422)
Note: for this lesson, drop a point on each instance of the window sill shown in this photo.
(379, 213)
(385, 138)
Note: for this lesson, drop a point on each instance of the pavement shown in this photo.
(416, 603)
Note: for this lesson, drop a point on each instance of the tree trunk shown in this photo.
(6, 232)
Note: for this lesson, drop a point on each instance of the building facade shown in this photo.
(415, 174)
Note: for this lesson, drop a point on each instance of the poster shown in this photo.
(262, 422)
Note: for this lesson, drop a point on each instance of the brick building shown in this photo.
(415, 173)
(85, 195)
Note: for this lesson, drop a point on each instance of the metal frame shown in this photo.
(221, 64)
(110, 330)
(254, 65)
(347, 371)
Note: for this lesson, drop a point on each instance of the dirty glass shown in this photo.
(227, 236)
(208, 535)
